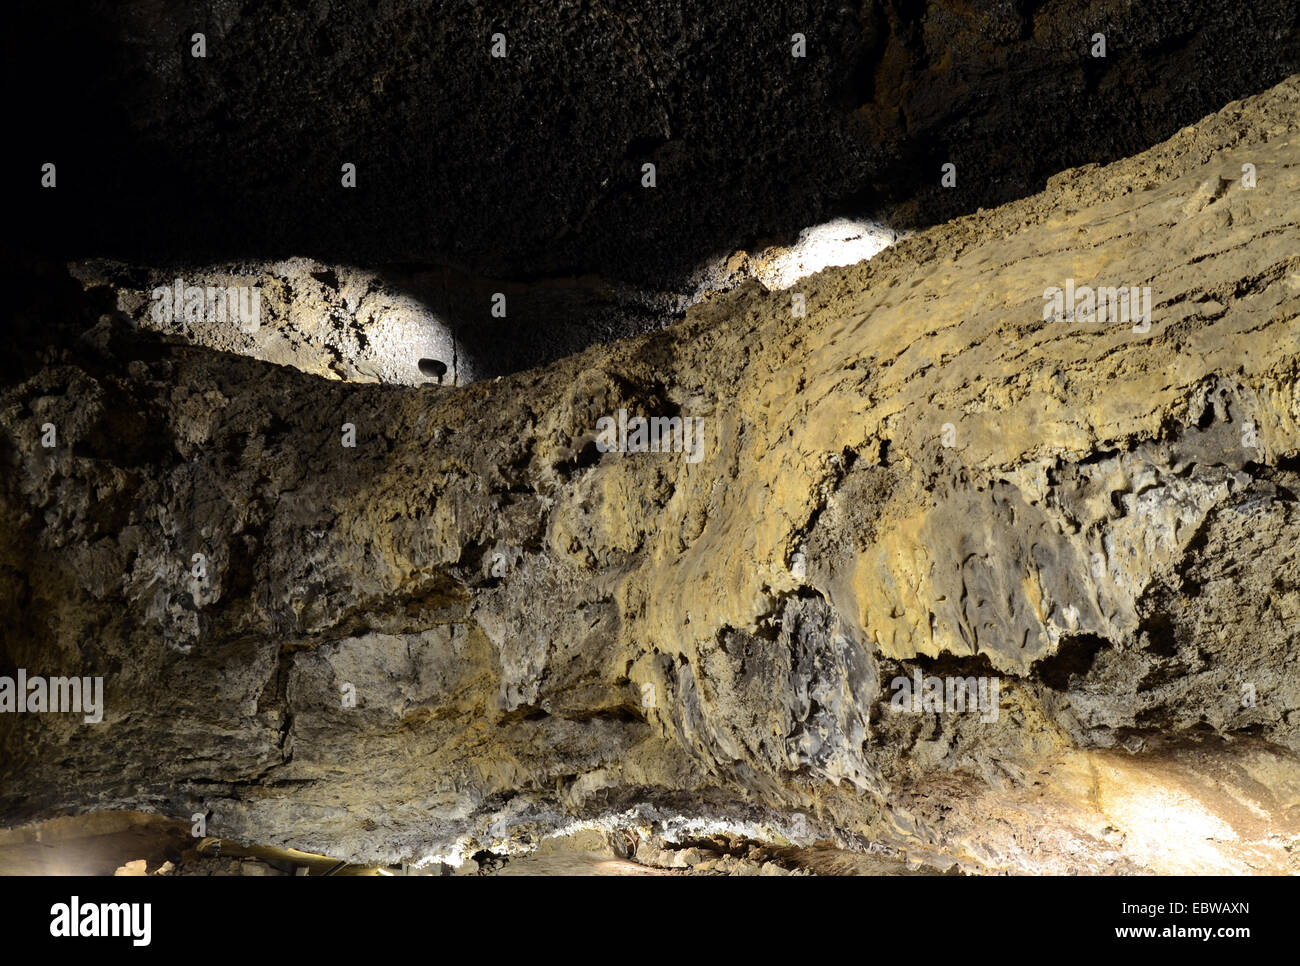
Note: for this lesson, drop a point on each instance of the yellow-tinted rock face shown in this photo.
(946, 538)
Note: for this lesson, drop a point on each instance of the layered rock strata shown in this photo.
(478, 626)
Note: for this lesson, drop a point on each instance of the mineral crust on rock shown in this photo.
(474, 629)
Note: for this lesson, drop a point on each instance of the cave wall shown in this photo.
(530, 164)
(920, 474)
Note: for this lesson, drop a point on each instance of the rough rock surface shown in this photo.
(328, 320)
(346, 323)
(360, 325)
(531, 164)
(921, 475)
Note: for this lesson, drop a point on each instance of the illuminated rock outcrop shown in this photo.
(472, 627)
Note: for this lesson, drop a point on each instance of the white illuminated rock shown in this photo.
(843, 241)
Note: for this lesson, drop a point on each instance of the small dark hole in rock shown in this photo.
(433, 368)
